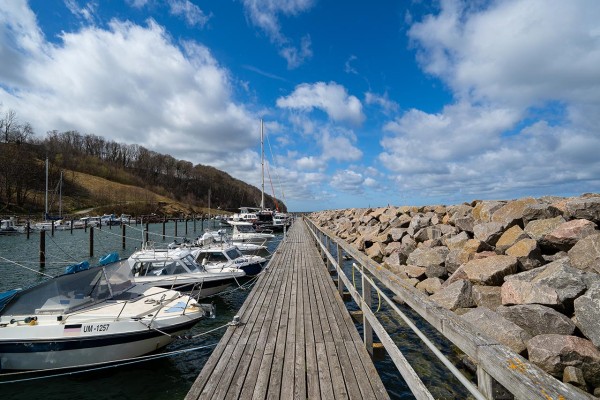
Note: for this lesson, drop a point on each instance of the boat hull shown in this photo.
(79, 351)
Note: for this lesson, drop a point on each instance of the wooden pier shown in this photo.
(295, 338)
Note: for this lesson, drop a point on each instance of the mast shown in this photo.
(46, 213)
(60, 195)
(262, 166)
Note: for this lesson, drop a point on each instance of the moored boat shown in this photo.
(93, 316)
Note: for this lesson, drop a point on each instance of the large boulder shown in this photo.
(553, 353)
(483, 211)
(540, 210)
(456, 295)
(537, 229)
(426, 257)
(537, 319)
(587, 313)
(456, 241)
(430, 285)
(487, 296)
(512, 212)
(509, 237)
(490, 270)
(528, 254)
(567, 234)
(499, 328)
(585, 255)
(488, 232)
(586, 208)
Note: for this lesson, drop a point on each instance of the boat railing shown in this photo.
(498, 367)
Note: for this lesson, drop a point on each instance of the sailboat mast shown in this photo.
(262, 165)
(46, 213)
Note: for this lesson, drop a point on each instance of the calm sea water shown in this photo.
(171, 376)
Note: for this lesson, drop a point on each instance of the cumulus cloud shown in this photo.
(86, 12)
(331, 98)
(348, 181)
(128, 82)
(265, 14)
(525, 81)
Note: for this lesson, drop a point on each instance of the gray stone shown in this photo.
(540, 211)
(375, 252)
(574, 376)
(397, 233)
(553, 353)
(488, 232)
(465, 223)
(425, 257)
(498, 328)
(487, 296)
(457, 241)
(512, 212)
(456, 295)
(587, 313)
(456, 258)
(483, 211)
(414, 272)
(521, 292)
(430, 285)
(528, 254)
(428, 233)
(539, 228)
(585, 255)
(491, 270)
(537, 319)
(567, 234)
(586, 208)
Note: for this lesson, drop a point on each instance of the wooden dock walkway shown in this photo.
(295, 339)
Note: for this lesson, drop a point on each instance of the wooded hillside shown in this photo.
(146, 181)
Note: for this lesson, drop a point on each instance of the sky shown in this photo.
(365, 104)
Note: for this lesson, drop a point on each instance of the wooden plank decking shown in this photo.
(296, 338)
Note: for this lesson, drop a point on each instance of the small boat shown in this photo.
(221, 236)
(245, 232)
(216, 256)
(177, 269)
(9, 227)
(97, 315)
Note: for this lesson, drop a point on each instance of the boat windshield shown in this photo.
(67, 293)
(234, 253)
(245, 229)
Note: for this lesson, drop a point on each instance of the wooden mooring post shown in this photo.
(42, 248)
(123, 235)
(91, 241)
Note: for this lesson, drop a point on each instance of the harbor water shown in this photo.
(170, 373)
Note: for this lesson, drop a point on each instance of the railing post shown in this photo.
(366, 297)
(340, 271)
(485, 383)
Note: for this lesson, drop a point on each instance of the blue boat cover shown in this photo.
(82, 266)
(109, 258)
(6, 296)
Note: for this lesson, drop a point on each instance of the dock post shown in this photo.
(123, 235)
(52, 229)
(28, 229)
(194, 218)
(186, 223)
(164, 223)
(42, 249)
(146, 234)
(71, 226)
(175, 227)
(91, 241)
(366, 297)
(340, 260)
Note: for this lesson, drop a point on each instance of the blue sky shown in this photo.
(364, 103)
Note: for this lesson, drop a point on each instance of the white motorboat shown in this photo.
(217, 255)
(94, 316)
(221, 237)
(9, 227)
(177, 269)
(245, 233)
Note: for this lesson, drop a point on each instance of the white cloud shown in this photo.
(526, 86)
(329, 97)
(192, 14)
(265, 14)
(348, 181)
(338, 145)
(348, 68)
(388, 106)
(87, 12)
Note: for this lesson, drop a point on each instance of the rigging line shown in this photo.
(30, 269)
(276, 174)
(61, 249)
(111, 364)
(272, 189)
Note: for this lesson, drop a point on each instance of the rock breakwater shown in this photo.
(525, 272)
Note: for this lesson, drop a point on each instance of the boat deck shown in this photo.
(295, 339)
